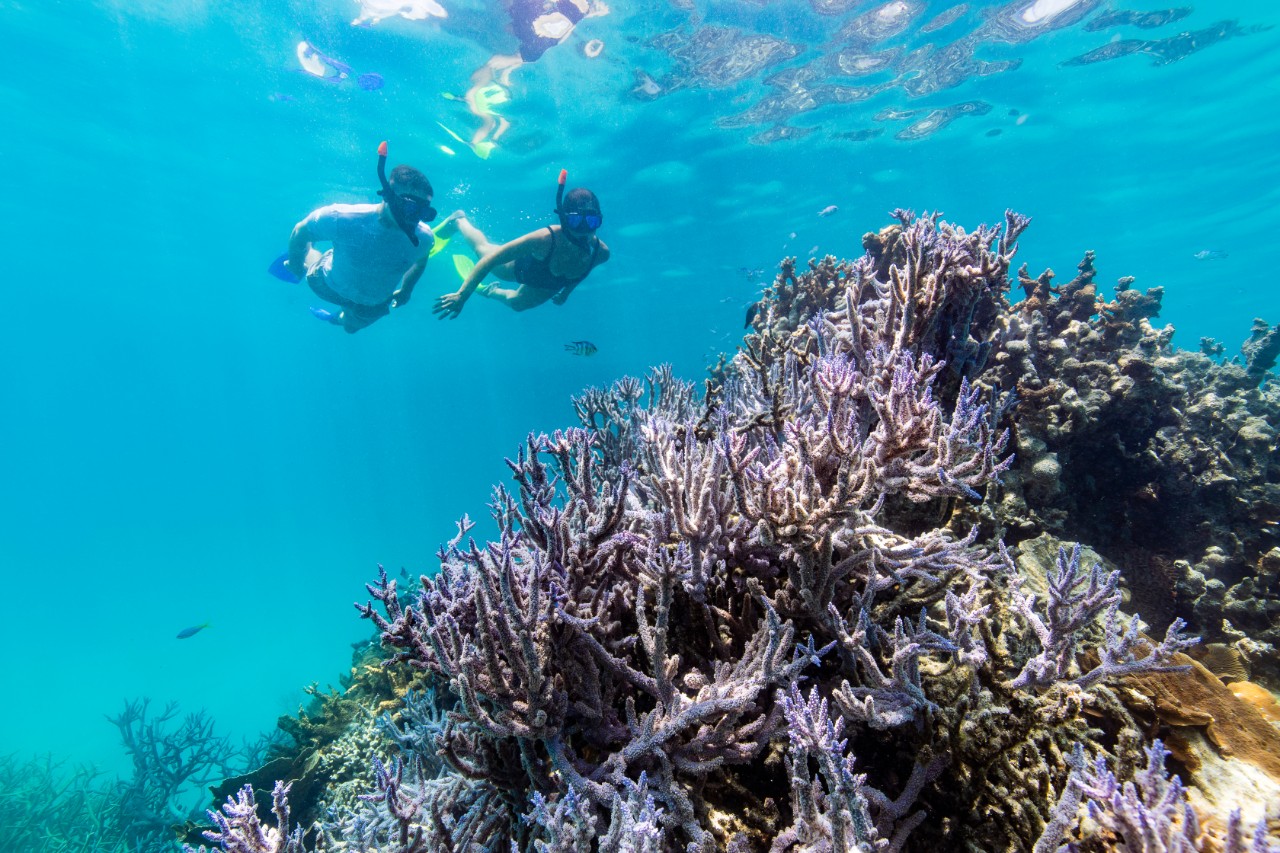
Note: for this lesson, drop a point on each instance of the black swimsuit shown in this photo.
(537, 273)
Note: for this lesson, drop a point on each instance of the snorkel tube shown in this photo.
(393, 201)
(564, 177)
(564, 226)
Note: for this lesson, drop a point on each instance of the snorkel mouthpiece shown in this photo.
(393, 201)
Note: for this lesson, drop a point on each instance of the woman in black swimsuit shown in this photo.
(544, 264)
(538, 26)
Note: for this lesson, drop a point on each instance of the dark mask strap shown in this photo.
(564, 226)
(393, 201)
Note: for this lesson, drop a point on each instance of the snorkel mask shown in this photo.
(576, 225)
(407, 212)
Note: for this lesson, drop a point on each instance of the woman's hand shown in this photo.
(449, 306)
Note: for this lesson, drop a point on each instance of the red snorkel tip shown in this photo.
(382, 148)
(564, 176)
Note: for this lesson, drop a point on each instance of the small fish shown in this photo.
(752, 310)
(1209, 255)
(192, 631)
(828, 210)
(995, 131)
(581, 348)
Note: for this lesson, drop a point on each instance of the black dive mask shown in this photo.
(405, 210)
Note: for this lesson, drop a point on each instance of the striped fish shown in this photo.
(581, 348)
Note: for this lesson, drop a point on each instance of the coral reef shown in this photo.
(1164, 461)
(171, 764)
(782, 617)
(44, 807)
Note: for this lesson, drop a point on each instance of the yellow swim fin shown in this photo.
(463, 265)
(480, 149)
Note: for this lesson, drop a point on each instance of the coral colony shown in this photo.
(822, 606)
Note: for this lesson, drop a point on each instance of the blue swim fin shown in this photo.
(280, 271)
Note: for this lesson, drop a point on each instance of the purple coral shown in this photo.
(1148, 814)
(1073, 604)
(837, 809)
(529, 630)
(637, 614)
(240, 830)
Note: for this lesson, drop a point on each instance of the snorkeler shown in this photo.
(378, 250)
(544, 264)
(538, 26)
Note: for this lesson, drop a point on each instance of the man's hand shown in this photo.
(399, 299)
(449, 306)
(298, 269)
(560, 297)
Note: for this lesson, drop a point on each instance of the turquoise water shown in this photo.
(184, 443)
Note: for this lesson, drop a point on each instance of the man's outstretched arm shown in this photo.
(409, 281)
(299, 242)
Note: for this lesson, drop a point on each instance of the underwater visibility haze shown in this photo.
(908, 508)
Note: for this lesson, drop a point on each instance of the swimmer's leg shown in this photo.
(457, 222)
(353, 319)
(521, 298)
(476, 239)
(501, 294)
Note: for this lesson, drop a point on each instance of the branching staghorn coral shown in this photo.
(638, 612)
(1074, 603)
(171, 764)
(238, 829)
(836, 810)
(924, 286)
(1148, 814)
(624, 659)
(46, 807)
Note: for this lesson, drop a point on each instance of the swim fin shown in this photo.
(480, 149)
(280, 271)
(463, 265)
